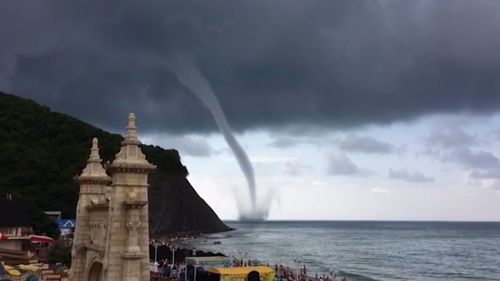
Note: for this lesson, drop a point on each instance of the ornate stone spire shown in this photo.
(131, 136)
(130, 155)
(94, 168)
(94, 151)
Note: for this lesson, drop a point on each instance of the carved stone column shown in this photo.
(93, 182)
(129, 239)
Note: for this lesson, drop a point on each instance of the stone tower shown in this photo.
(112, 233)
(91, 218)
(128, 256)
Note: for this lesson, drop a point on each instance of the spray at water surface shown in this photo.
(184, 67)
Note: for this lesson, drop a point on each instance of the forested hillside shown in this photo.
(42, 151)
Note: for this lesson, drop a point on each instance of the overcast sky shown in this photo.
(347, 109)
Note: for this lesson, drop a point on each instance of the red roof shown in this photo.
(3, 237)
(41, 239)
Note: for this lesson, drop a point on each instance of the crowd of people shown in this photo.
(178, 269)
(173, 271)
(284, 273)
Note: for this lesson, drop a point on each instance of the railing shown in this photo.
(157, 276)
(8, 231)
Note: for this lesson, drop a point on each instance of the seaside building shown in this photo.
(66, 226)
(111, 239)
(54, 215)
(18, 244)
(15, 225)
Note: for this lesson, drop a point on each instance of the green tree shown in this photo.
(58, 252)
(42, 152)
(43, 224)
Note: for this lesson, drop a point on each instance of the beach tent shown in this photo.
(247, 273)
(193, 264)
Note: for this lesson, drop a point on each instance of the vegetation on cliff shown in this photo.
(42, 151)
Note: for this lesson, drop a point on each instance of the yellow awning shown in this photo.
(241, 271)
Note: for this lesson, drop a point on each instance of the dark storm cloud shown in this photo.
(342, 165)
(449, 137)
(409, 176)
(354, 143)
(482, 160)
(450, 143)
(283, 142)
(272, 63)
(187, 145)
(481, 165)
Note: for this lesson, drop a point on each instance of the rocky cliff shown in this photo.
(41, 151)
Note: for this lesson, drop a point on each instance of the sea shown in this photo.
(367, 250)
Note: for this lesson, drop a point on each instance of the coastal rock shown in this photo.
(175, 207)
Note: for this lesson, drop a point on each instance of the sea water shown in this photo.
(368, 250)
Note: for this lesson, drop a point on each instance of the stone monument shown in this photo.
(111, 240)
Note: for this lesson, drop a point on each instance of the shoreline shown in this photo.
(283, 272)
(189, 234)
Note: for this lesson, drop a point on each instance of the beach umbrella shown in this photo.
(14, 271)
